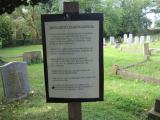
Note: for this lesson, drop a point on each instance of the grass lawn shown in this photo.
(124, 99)
(151, 67)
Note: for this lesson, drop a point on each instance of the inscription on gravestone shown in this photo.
(15, 80)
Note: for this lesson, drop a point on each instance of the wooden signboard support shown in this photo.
(74, 108)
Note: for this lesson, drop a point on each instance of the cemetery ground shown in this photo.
(123, 99)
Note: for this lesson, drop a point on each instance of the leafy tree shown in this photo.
(133, 19)
(5, 30)
(113, 17)
(28, 21)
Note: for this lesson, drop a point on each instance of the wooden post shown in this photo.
(74, 111)
(74, 108)
(70, 7)
(146, 51)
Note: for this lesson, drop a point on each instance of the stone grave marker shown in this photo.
(141, 40)
(15, 80)
(147, 52)
(32, 57)
(130, 39)
(148, 38)
(125, 38)
(136, 40)
(104, 41)
(154, 113)
(0, 44)
(112, 40)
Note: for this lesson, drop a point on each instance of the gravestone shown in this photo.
(104, 41)
(130, 39)
(136, 40)
(147, 52)
(148, 39)
(125, 38)
(154, 113)
(15, 80)
(0, 44)
(141, 40)
(157, 105)
(32, 57)
(112, 40)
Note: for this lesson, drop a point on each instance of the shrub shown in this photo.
(5, 31)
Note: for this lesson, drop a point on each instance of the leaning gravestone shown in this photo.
(32, 57)
(15, 80)
(136, 40)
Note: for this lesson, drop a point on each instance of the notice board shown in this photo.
(73, 57)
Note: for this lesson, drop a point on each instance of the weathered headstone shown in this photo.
(148, 38)
(141, 40)
(157, 105)
(154, 113)
(112, 40)
(15, 80)
(125, 38)
(136, 40)
(130, 39)
(32, 57)
(147, 52)
(0, 44)
(104, 41)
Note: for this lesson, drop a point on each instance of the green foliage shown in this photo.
(120, 15)
(113, 17)
(133, 19)
(52, 6)
(5, 30)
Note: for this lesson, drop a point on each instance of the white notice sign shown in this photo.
(72, 50)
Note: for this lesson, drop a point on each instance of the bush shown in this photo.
(5, 31)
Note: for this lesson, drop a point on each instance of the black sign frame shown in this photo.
(74, 17)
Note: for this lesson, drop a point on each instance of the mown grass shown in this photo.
(151, 67)
(13, 53)
(123, 99)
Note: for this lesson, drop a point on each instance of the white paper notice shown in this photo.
(73, 58)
